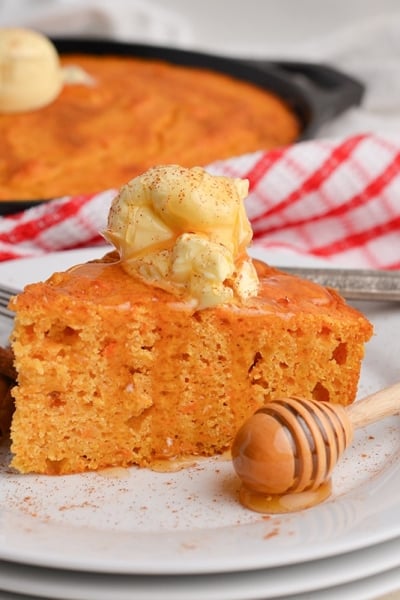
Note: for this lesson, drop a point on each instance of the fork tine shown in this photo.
(5, 312)
(8, 291)
(5, 294)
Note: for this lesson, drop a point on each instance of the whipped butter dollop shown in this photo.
(185, 231)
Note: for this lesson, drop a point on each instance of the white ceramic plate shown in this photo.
(315, 577)
(139, 522)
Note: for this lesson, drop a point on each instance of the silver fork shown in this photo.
(354, 284)
(5, 294)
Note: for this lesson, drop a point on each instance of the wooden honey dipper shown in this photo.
(291, 445)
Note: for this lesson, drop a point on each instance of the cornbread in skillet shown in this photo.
(128, 115)
(114, 370)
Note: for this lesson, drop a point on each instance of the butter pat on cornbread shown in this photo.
(30, 71)
(187, 232)
(161, 349)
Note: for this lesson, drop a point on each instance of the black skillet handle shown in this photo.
(330, 92)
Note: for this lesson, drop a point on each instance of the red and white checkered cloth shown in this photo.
(336, 200)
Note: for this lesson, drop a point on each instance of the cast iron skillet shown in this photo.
(315, 92)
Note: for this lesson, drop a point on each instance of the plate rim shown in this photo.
(325, 572)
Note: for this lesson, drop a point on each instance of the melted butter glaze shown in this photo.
(106, 283)
(290, 293)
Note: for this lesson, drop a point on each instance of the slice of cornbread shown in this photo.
(112, 371)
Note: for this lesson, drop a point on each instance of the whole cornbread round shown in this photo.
(132, 114)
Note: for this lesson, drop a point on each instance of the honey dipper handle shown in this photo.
(381, 404)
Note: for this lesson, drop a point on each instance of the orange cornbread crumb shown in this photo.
(113, 372)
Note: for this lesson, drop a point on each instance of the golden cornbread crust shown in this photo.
(112, 372)
(135, 113)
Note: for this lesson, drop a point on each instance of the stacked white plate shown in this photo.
(139, 535)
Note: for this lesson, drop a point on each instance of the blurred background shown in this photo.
(251, 27)
(361, 37)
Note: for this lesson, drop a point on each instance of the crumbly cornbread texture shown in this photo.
(114, 372)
